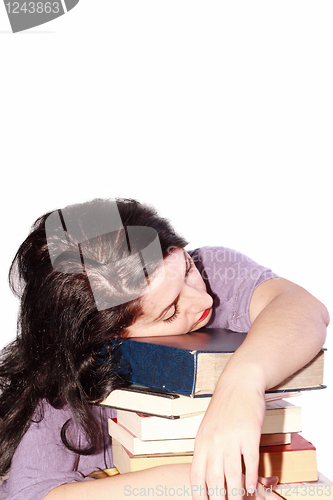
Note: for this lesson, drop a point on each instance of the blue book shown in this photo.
(191, 364)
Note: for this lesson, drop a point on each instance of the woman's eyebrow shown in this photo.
(167, 309)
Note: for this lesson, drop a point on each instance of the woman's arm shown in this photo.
(288, 330)
(162, 482)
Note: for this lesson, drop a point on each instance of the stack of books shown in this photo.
(173, 379)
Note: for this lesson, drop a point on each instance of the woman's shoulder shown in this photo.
(53, 418)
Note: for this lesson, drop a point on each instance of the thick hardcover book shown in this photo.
(137, 447)
(151, 402)
(191, 364)
(127, 462)
(151, 428)
(164, 404)
(281, 417)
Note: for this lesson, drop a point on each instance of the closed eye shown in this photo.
(175, 314)
(189, 264)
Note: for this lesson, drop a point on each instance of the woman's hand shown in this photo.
(230, 430)
(265, 484)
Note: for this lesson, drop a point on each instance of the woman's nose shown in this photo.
(197, 298)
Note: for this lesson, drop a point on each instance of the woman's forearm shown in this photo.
(285, 335)
(162, 481)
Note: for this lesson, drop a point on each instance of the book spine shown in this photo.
(159, 367)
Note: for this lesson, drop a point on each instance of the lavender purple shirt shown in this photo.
(42, 462)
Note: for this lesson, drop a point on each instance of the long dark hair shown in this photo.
(60, 329)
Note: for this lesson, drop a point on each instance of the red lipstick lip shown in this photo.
(204, 315)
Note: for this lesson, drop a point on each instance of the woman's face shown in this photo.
(178, 304)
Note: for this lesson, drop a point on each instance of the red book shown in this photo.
(292, 463)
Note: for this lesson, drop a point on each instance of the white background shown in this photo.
(217, 113)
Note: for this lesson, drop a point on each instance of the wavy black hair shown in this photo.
(60, 329)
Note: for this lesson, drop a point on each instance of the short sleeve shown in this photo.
(231, 278)
(42, 462)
